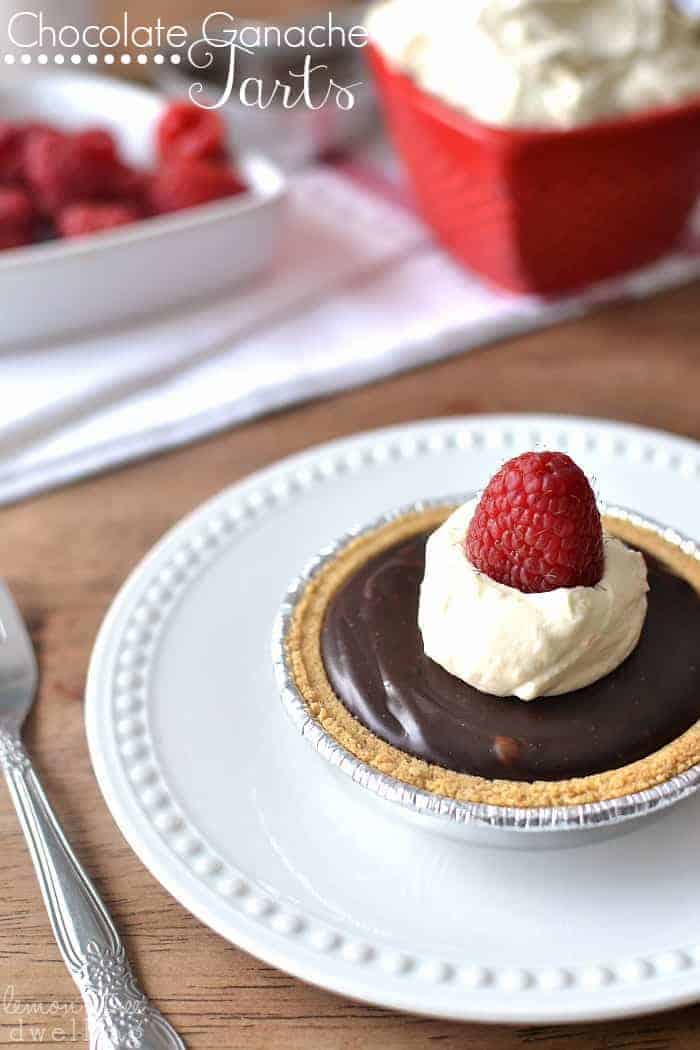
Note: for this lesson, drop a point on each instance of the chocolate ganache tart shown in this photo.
(518, 650)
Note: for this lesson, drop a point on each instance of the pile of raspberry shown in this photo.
(57, 183)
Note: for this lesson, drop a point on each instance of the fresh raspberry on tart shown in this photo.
(537, 526)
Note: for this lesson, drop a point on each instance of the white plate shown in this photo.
(67, 286)
(242, 823)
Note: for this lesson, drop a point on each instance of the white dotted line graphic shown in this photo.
(109, 59)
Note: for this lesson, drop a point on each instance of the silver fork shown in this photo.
(119, 1015)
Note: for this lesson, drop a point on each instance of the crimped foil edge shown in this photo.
(478, 814)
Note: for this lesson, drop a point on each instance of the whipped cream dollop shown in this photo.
(507, 643)
(546, 63)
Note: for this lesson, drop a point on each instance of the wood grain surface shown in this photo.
(66, 553)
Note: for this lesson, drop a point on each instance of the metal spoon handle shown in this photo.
(118, 1013)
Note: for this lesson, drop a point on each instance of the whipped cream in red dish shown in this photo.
(543, 63)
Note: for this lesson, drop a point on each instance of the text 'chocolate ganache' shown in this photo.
(373, 655)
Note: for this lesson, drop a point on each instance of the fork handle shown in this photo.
(118, 1013)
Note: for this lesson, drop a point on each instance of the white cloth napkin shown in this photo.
(358, 291)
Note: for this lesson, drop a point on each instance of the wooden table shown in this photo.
(66, 553)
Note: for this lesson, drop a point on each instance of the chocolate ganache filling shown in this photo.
(373, 654)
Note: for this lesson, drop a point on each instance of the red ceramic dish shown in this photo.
(546, 211)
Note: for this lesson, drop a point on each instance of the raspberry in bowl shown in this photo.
(77, 182)
(548, 146)
(499, 670)
(125, 186)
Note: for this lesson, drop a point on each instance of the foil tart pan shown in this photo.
(477, 823)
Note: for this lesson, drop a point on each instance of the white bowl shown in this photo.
(541, 827)
(50, 289)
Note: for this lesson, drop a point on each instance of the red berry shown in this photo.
(64, 168)
(79, 219)
(15, 207)
(16, 217)
(186, 130)
(132, 186)
(97, 157)
(43, 165)
(185, 183)
(12, 239)
(537, 526)
(11, 141)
